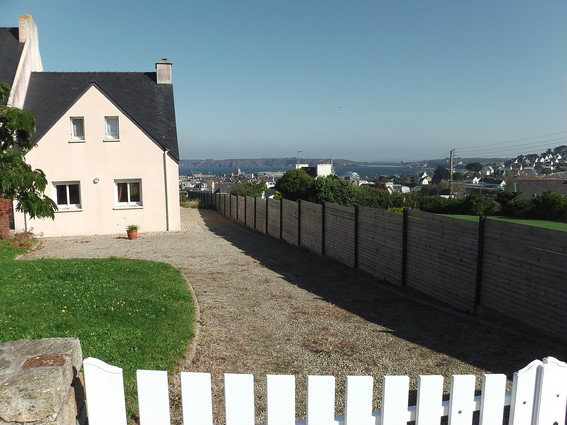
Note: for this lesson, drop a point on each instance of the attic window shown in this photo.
(111, 128)
(77, 128)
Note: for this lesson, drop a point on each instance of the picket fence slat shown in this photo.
(239, 399)
(358, 398)
(429, 408)
(395, 400)
(492, 401)
(104, 393)
(538, 397)
(551, 393)
(462, 401)
(197, 402)
(281, 399)
(153, 397)
(321, 400)
(523, 385)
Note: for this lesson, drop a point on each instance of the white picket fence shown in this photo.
(538, 397)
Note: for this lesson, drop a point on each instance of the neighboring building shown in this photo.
(107, 142)
(319, 170)
(487, 170)
(530, 187)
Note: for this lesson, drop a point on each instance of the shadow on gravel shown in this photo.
(456, 335)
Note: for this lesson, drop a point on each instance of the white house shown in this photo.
(107, 142)
(487, 170)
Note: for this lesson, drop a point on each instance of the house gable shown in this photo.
(146, 103)
(93, 105)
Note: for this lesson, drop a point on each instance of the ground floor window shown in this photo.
(68, 195)
(128, 192)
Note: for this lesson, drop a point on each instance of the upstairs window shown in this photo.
(111, 128)
(68, 195)
(128, 192)
(77, 128)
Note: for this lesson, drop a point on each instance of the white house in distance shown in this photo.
(107, 142)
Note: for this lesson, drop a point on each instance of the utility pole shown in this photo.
(451, 161)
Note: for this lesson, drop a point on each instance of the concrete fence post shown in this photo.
(299, 222)
(479, 261)
(255, 207)
(323, 213)
(281, 218)
(405, 247)
(356, 236)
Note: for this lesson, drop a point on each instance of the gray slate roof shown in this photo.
(10, 52)
(148, 104)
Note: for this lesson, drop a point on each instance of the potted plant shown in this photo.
(132, 231)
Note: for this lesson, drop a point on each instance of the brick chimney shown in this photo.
(163, 72)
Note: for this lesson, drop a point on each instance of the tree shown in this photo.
(18, 181)
(294, 185)
(336, 190)
(249, 189)
(474, 166)
(440, 173)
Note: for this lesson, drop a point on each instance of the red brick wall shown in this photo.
(5, 208)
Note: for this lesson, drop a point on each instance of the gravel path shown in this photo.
(267, 307)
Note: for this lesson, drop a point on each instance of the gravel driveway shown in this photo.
(267, 307)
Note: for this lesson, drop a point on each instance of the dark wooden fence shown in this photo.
(517, 270)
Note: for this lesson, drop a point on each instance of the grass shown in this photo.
(186, 202)
(130, 313)
(547, 224)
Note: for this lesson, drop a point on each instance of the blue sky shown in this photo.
(367, 80)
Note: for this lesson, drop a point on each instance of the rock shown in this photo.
(39, 381)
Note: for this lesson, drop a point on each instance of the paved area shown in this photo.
(267, 307)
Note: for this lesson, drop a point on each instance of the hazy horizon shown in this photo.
(368, 79)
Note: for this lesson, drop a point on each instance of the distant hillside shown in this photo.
(267, 162)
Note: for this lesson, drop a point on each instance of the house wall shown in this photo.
(135, 156)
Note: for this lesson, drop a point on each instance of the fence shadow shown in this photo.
(400, 312)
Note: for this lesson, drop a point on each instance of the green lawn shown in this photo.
(554, 225)
(130, 313)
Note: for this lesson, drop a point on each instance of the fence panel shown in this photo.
(442, 258)
(339, 233)
(261, 215)
(250, 211)
(538, 396)
(241, 208)
(274, 218)
(311, 226)
(289, 221)
(233, 206)
(524, 274)
(380, 243)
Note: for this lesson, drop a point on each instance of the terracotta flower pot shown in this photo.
(132, 234)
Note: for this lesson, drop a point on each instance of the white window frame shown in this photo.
(107, 136)
(67, 206)
(129, 203)
(73, 138)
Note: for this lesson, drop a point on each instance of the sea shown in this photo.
(364, 172)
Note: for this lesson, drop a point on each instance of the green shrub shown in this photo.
(334, 189)
(294, 185)
(249, 189)
(549, 206)
(473, 204)
(371, 196)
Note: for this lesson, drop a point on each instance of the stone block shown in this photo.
(40, 382)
